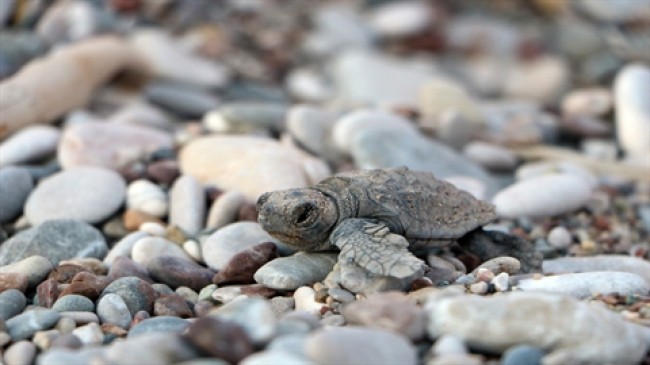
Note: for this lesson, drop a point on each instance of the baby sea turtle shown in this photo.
(377, 218)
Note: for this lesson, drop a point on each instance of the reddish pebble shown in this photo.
(172, 305)
(242, 267)
(47, 293)
(13, 281)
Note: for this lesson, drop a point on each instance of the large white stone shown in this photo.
(584, 285)
(632, 96)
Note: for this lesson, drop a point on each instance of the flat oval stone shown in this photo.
(290, 273)
(136, 293)
(246, 117)
(184, 100)
(73, 303)
(12, 302)
(358, 345)
(187, 204)
(124, 266)
(29, 144)
(242, 267)
(584, 285)
(111, 308)
(219, 248)
(541, 196)
(620, 263)
(250, 165)
(109, 145)
(159, 324)
(56, 240)
(24, 325)
(148, 248)
(175, 272)
(15, 184)
(20, 353)
(90, 194)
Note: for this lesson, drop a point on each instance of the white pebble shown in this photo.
(501, 282)
(90, 334)
(480, 287)
(632, 94)
(305, 301)
(193, 249)
(153, 228)
(559, 237)
(147, 197)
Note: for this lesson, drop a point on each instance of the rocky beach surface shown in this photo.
(137, 135)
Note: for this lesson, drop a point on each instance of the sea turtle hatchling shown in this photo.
(377, 218)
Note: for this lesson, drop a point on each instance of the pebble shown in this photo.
(360, 77)
(341, 295)
(108, 145)
(246, 118)
(24, 325)
(501, 282)
(159, 324)
(242, 266)
(81, 318)
(146, 197)
(12, 302)
(546, 195)
(559, 237)
(219, 338)
(449, 345)
(124, 266)
(307, 84)
(71, 357)
(20, 353)
(13, 281)
(172, 305)
(548, 73)
(480, 287)
(251, 165)
(356, 345)
(312, 128)
(403, 19)
(289, 273)
(148, 248)
(620, 263)
(391, 311)
(225, 209)
(19, 182)
(621, 12)
(56, 240)
(176, 272)
(89, 194)
(543, 168)
(560, 324)
(522, 355)
(141, 113)
(220, 247)
(184, 100)
(253, 314)
(187, 204)
(67, 340)
(631, 93)
(89, 334)
(275, 357)
(337, 27)
(193, 249)
(43, 339)
(584, 285)
(28, 145)
(490, 156)
(123, 247)
(591, 102)
(111, 308)
(163, 172)
(136, 293)
(73, 303)
(304, 300)
(161, 348)
(170, 60)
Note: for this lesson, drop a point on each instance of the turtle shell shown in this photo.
(412, 203)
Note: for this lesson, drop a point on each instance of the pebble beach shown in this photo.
(136, 137)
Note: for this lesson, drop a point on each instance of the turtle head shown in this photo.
(301, 218)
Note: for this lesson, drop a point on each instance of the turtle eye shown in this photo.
(303, 212)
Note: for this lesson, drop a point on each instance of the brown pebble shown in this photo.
(133, 219)
(123, 266)
(163, 172)
(47, 293)
(13, 280)
(218, 338)
(65, 272)
(113, 329)
(242, 267)
(177, 272)
(86, 284)
(133, 172)
(203, 307)
(248, 212)
(171, 305)
(258, 290)
(421, 283)
(139, 317)
(91, 264)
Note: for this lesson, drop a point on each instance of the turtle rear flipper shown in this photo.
(490, 244)
(372, 246)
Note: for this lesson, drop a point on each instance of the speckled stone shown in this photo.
(89, 194)
(56, 240)
(16, 184)
(290, 273)
(24, 325)
(12, 302)
(136, 293)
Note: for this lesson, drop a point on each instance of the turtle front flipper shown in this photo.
(374, 247)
